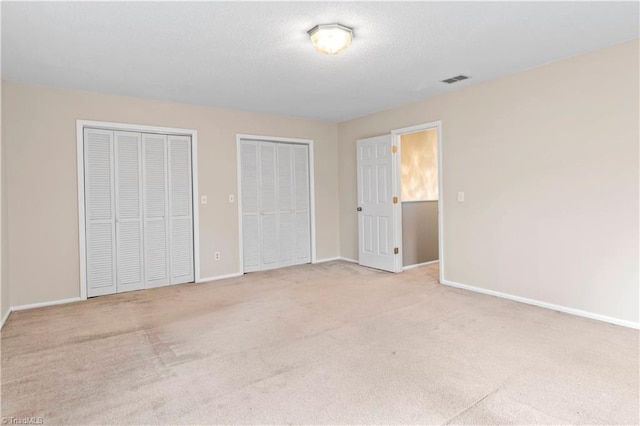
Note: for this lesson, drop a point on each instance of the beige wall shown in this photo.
(548, 159)
(419, 232)
(419, 165)
(4, 283)
(39, 130)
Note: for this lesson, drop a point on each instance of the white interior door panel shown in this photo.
(376, 231)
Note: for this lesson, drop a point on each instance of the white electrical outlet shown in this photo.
(217, 255)
(203, 199)
(231, 198)
(461, 197)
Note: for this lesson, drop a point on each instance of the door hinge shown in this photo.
(394, 149)
(396, 250)
(395, 200)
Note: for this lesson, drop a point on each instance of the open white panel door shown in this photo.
(376, 230)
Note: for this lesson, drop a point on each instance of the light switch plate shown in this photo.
(203, 199)
(231, 198)
(461, 197)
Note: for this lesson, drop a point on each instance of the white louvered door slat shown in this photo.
(99, 212)
(128, 189)
(268, 205)
(180, 210)
(302, 210)
(250, 207)
(286, 211)
(155, 195)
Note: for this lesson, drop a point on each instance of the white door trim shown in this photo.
(312, 196)
(107, 125)
(397, 180)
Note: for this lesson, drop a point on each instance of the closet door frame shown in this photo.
(312, 205)
(106, 125)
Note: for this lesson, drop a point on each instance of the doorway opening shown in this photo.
(419, 184)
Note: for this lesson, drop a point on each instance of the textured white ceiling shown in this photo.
(257, 56)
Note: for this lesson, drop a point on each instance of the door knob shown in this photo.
(359, 209)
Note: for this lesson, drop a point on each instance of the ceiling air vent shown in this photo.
(455, 79)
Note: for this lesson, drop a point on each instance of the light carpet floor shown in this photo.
(331, 343)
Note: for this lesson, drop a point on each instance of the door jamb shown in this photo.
(80, 125)
(312, 197)
(397, 188)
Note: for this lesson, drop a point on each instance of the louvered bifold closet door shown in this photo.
(286, 207)
(129, 228)
(250, 205)
(180, 210)
(99, 212)
(268, 206)
(302, 209)
(156, 229)
(274, 179)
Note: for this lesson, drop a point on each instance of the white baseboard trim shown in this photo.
(5, 318)
(404, 268)
(554, 307)
(331, 259)
(43, 304)
(328, 259)
(220, 277)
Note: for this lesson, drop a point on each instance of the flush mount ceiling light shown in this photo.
(331, 38)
